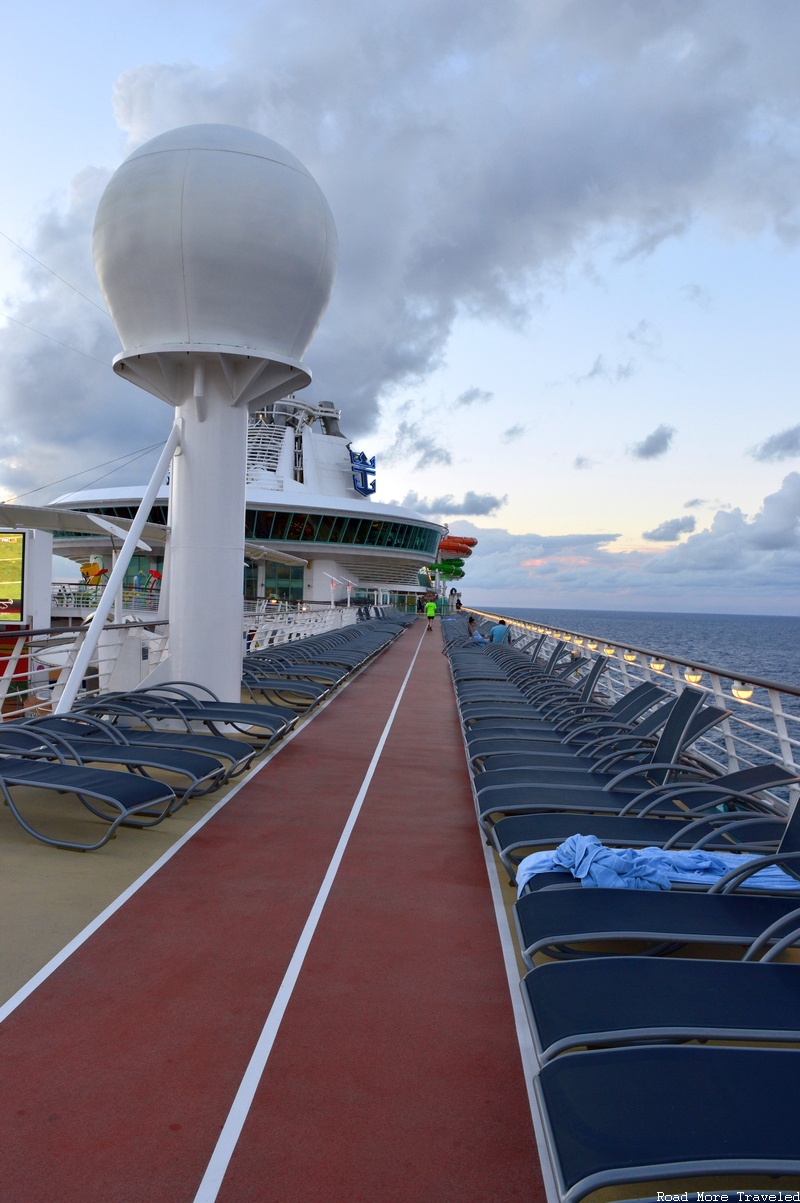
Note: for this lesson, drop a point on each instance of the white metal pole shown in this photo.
(207, 510)
(118, 598)
(95, 627)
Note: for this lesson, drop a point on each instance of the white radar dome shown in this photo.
(215, 238)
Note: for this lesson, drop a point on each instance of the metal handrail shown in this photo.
(739, 741)
(730, 674)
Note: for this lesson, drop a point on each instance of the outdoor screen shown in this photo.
(12, 560)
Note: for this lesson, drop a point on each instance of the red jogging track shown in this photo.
(395, 1076)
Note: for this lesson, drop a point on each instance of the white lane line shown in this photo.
(44, 973)
(240, 1108)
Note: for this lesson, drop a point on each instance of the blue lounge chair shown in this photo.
(116, 798)
(615, 1117)
(606, 1001)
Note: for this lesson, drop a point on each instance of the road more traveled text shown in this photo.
(731, 1196)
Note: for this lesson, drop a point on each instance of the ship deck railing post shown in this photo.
(784, 742)
(725, 725)
(11, 668)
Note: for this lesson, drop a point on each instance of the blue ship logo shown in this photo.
(363, 468)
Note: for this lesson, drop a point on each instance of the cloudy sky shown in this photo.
(566, 311)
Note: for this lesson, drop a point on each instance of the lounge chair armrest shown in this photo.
(734, 878)
(766, 935)
(115, 736)
(672, 766)
(741, 819)
(597, 725)
(607, 762)
(655, 792)
(585, 711)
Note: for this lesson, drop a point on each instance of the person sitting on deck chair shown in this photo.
(430, 611)
(474, 634)
(500, 633)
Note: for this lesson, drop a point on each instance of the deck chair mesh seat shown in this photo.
(570, 721)
(174, 699)
(555, 921)
(678, 719)
(528, 726)
(490, 742)
(232, 751)
(645, 787)
(652, 1114)
(134, 801)
(603, 1001)
(202, 773)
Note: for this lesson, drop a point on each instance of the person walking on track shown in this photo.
(430, 611)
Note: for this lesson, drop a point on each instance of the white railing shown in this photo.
(35, 665)
(80, 599)
(764, 725)
(277, 626)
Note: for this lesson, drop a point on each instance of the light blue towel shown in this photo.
(596, 866)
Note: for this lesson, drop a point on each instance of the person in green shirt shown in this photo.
(430, 611)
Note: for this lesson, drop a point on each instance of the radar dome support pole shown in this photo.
(207, 517)
(216, 253)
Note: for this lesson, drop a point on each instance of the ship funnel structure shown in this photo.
(216, 254)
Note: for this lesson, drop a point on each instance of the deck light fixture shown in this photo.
(657, 666)
(567, 638)
(742, 691)
(609, 651)
(591, 644)
(693, 675)
(630, 657)
(578, 641)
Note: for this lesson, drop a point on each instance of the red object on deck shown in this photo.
(395, 1076)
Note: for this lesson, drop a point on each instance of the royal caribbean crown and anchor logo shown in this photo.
(363, 469)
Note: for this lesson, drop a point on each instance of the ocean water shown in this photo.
(764, 646)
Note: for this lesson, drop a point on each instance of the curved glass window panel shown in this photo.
(338, 526)
(296, 527)
(259, 523)
(280, 526)
(324, 528)
(310, 529)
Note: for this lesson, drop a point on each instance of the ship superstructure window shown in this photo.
(279, 527)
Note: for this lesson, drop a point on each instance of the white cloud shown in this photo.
(656, 443)
(469, 153)
(612, 374)
(472, 395)
(411, 443)
(783, 445)
(671, 530)
(474, 504)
